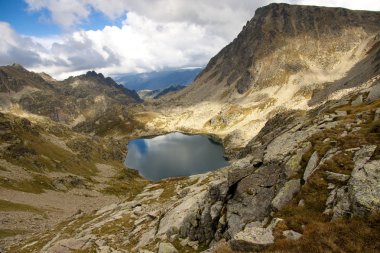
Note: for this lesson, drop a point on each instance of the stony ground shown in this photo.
(306, 175)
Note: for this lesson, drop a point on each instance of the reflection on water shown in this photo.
(174, 155)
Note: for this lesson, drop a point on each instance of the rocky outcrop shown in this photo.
(255, 189)
(63, 101)
(364, 189)
(291, 235)
(254, 236)
(166, 248)
(286, 193)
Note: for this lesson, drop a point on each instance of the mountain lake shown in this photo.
(174, 155)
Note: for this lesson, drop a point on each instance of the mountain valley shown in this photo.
(295, 101)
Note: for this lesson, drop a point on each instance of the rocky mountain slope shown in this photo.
(50, 166)
(295, 99)
(70, 101)
(287, 57)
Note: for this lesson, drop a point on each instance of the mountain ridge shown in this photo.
(301, 131)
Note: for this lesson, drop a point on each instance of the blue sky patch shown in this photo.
(40, 24)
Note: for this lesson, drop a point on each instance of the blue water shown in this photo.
(174, 155)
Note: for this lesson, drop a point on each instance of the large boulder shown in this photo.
(251, 198)
(311, 165)
(293, 165)
(166, 247)
(364, 188)
(286, 193)
(362, 156)
(254, 236)
(291, 235)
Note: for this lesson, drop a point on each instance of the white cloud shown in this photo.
(155, 35)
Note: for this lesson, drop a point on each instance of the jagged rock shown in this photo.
(166, 247)
(301, 203)
(311, 169)
(293, 165)
(358, 100)
(374, 93)
(146, 238)
(187, 242)
(291, 235)
(173, 221)
(311, 165)
(341, 113)
(337, 176)
(363, 155)
(238, 174)
(254, 234)
(215, 209)
(286, 193)
(342, 203)
(252, 198)
(338, 203)
(364, 187)
(192, 217)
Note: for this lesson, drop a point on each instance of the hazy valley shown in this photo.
(295, 101)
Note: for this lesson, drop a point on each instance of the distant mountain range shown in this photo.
(158, 80)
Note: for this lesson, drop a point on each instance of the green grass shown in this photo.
(39, 184)
(126, 183)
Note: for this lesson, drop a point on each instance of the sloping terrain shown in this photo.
(295, 99)
(70, 101)
(287, 57)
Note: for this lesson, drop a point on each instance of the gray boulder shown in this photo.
(291, 235)
(286, 193)
(364, 188)
(374, 93)
(293, 165)
(342, 205)
(337, 176)
(254, 235)
(363, 155)
(358, 100)
(311, 165)
(166, 247)
(251, 198)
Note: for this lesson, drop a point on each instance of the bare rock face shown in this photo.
(167, 248)
(286, 193)
(364, 187)
(292, 235)
(255, 190)
(254, 236)
(311, 165)
(289, 32)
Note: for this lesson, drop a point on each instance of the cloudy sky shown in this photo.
(69, 37)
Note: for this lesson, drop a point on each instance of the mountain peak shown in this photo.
(94, 74)
(311, 31)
